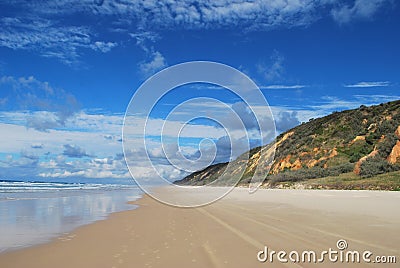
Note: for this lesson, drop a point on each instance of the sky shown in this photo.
(69, 68)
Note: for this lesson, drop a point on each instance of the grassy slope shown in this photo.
(323, 153)
(348, 181)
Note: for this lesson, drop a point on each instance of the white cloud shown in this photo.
(283, 87)
(89, 145)
(286, 120)
(155, 127)
(19, 137)
(74, 151)
(108, 124)
(275, 69)
(103, 46)
(48, 38)
(197, 14)
(225, 13)
(43, 121)
(370, 84)
(333, 103)
(361, 9)
(155, 60)
(329, 104)
(44, 26)
(144, 38)
(110, 169)
(156, 63)
(49, 154)
(51, 107)
(376, 99)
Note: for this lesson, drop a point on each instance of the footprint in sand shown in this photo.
(166, 245)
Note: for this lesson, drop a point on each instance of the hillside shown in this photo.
(353, 145)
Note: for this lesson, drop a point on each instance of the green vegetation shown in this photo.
(350, 181)
(349, 150)
(357, 150)
(308, 173)
(376, 165)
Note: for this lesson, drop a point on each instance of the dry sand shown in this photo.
(228, 233)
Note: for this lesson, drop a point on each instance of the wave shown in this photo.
(24, 186)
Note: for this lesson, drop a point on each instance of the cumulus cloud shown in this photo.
(253, 126)
(94, 133)
(50, 106)
(28, 155)
(43, 121)
(286, 120)
(74, 151)
(24, 153)
(225, 151)
(19, 167)
(246, 115)
(155, 63)
(94, 168)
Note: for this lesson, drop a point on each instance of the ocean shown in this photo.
(32, 213)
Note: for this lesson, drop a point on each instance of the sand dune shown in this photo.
(230, 232)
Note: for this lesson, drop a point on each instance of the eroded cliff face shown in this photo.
(397, 132)
(340, 141)
(357, 166)
(394, 156)
(305, 159)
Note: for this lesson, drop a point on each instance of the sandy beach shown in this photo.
(230, 232)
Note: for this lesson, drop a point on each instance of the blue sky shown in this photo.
(69, 68)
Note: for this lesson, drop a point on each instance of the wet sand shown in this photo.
(229, 233)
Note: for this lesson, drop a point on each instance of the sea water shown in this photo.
(36, 212)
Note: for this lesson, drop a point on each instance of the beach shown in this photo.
(33, 213)
(232, 232)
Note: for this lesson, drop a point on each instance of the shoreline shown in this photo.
(228, 233)
(33, 218)
(65, 235)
